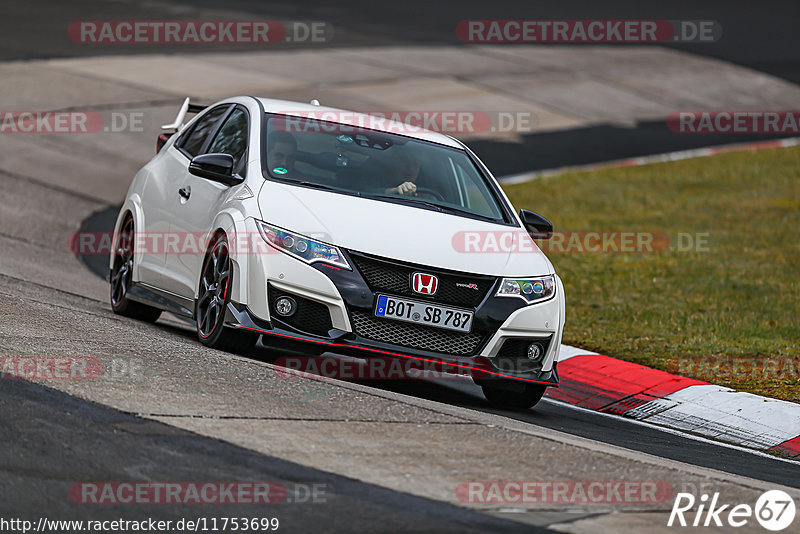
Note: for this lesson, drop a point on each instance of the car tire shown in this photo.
(518, 398)
(213, 298)
(121, 277)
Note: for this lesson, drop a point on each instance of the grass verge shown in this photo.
(720, 301)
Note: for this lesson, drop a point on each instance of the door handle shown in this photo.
(185, 192)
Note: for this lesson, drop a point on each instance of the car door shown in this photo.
(200, 199)
(168, 178)
(160, 190)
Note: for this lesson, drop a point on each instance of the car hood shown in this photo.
(402, 232)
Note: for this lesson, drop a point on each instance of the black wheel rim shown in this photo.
(213, 290)
(122, 272)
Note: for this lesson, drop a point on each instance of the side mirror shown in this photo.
(537, 226)
(215, 167)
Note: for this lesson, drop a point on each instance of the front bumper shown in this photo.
(345, 300)
(480, 368)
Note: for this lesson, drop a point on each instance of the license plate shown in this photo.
(425, 313)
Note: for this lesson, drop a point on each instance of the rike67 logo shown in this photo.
(774, 510)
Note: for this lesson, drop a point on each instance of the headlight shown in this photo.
(300, 246)
(530, 289)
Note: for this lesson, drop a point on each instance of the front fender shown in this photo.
(232, 222)
(132, 205)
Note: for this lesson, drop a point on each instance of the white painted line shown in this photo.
(568, 351)
(576, 439)
(675, 432)
(727, 415)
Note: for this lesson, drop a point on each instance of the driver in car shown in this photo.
(282, 151)
(405, 171)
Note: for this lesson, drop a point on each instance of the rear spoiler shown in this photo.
(186, 107)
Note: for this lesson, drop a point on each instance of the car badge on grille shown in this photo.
(424, 284)
(468, 286)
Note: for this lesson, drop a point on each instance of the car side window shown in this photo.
(477, 197)
(232, 137)
(192, 143)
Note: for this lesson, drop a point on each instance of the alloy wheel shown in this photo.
(213, 290)
(122, 272)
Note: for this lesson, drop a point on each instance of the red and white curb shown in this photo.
(609, 385)
(655, 158)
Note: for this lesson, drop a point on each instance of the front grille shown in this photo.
(393, 277)
(311, 317)
(513, 355)
(415, 336)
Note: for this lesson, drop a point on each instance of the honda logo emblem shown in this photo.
(425, 284)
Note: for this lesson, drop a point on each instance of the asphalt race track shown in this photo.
(553, 414)
(96, 442)
(764, 40)
(385, 456)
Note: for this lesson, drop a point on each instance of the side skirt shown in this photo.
(158, 298)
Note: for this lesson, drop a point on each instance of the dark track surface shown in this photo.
(762, 36)
(51, 441)
(616, 431)
(764, 39)
(594, 144)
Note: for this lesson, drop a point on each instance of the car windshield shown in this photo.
(376, 164)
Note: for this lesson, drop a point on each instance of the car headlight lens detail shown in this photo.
(530, 289)
(301, 247)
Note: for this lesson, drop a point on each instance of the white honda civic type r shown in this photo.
(331, 231)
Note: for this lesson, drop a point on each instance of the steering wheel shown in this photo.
(422, 191)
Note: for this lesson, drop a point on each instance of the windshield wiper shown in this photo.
(403, 198)
(318, 186)
(439, 207)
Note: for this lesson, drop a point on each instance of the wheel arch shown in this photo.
(230, 223)
(132, 206)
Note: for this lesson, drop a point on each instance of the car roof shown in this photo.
(353, 118)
